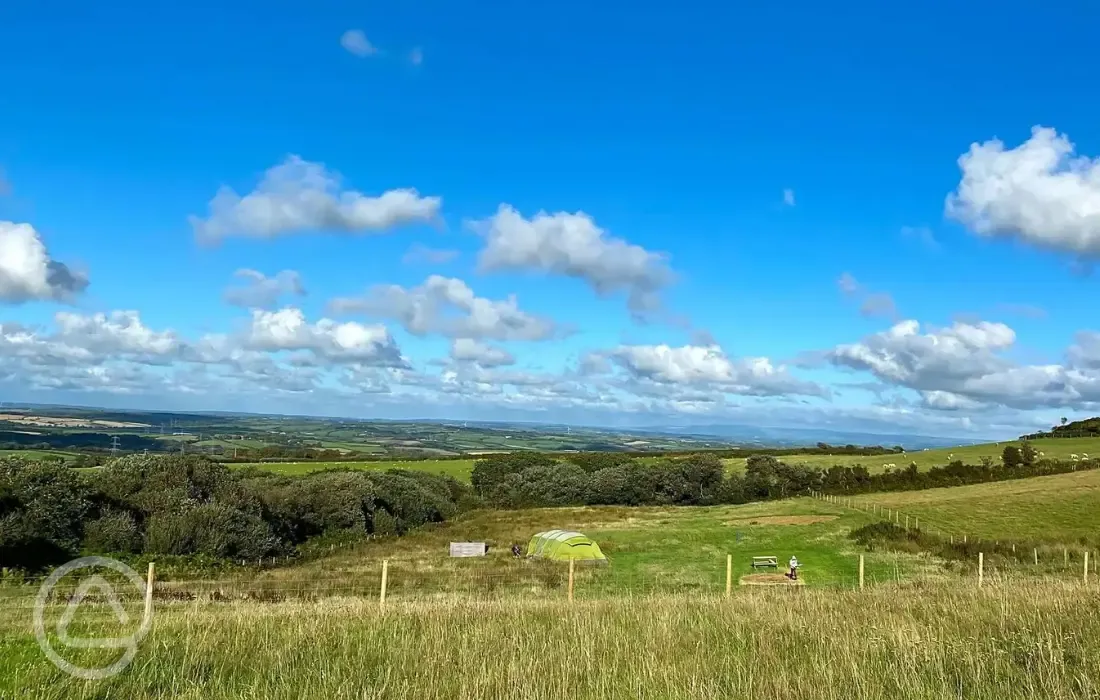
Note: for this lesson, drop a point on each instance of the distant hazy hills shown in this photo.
(781, 437)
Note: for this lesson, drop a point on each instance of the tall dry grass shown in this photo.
(1025, 640)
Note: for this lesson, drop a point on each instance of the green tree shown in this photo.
(1011, 457)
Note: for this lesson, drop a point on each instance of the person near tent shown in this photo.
(516, 551)
(794, 568)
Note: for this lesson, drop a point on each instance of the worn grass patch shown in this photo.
(782, 520)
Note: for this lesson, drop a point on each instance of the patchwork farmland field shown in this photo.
(1052, 448)
(458, 468)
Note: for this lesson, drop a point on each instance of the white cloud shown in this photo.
(26, 271)
(878, 304)
(848, 284)
(287, 329)
(788, 197)
(574, 246)
(709, 366)
(114, 334)
(261, 291)
(355, 42)
(1039, 192)
(964, 364)
(921, 234)
(447, 306)
(871, 303)
(418, 253)
(470, 350)
(298, 195)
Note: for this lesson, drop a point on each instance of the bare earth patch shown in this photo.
(769, 580)
(783, 520)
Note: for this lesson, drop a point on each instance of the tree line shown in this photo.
(523, 480)
(1089, 427)
(189, 505)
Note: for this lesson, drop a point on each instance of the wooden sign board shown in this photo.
(468, 549)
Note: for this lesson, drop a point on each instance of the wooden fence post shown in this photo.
(149, 592)
(571, 580)
(385, 577)
(729, 575)
(1036, 553)
(1065, 557)
(907, 522)
(917, 525)
(981, 568)
(861, 571)
(1086, 567)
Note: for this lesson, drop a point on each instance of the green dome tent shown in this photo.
(563, 545)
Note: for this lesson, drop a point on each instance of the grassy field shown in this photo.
(1061, 508)
(928, 642)
(458, 468)
(654, 623)
(673, 549)
(39, 454)
(1052, 448)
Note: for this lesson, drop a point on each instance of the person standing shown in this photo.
(794, 568)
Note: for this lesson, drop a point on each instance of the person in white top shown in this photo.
(794, 568)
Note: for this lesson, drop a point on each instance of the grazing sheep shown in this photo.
(1074, 457)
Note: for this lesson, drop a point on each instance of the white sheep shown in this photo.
(1084, 455)
(1074, 457)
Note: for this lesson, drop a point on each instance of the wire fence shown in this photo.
(273, 580)
(399, 581)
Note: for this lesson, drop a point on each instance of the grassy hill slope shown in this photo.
(1060, 508)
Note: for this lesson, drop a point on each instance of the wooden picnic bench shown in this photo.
(771, 562)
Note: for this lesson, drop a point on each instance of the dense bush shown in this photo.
(42, 507)
(190, 506)
(520, 480)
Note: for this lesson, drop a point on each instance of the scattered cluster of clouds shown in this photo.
(966, 366)
(447, 306)
(1039, 193)
(259, 291)
(870, 303)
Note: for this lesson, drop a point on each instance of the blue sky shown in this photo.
(748, 157)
